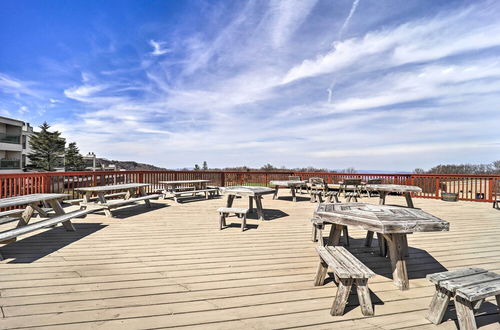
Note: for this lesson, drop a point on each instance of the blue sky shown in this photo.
(387, 85)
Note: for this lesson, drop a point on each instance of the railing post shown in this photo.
(437, 187)
(490, 190)
(223, 179)
(141, 177)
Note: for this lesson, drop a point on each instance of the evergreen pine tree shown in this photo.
(72, 159)
(196, 167)
(47, 148)
(205, 166)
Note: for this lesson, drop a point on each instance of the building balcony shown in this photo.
(10, 138)
(10, 164)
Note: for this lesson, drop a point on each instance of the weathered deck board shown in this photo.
(187, 273)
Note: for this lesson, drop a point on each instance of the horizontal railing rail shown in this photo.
(482, 188)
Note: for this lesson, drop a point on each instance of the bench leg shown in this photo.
(438, 305)
(250, 204)
(314, 236)
(465, 313)
(369, 238)
(222, 220)
(381, 201)
(244, 222)
(321, 273)
(292, 190)
(142, 192)
(364, 296)
(275, 192)
(498, 302)
(341, 297)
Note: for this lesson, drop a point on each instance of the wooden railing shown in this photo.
(482, 188)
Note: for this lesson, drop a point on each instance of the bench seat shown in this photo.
(348, 271)
(121, 202)
(225, 211)
(469, 287)
(207, 192)
(10, 235)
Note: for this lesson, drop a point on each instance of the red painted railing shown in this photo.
(482, 188)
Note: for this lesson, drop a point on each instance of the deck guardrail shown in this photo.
(480, 188)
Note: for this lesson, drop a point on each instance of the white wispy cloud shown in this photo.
(158, 48)
(249, 88)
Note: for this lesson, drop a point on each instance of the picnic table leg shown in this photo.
(438, 305)
(258, 204)
(409, 201)
(335, 233)
(102, 200)
(382, 245)
(142, 192)
(40, 210)
(381, 201)
(56, 206)
(292, 190)
(250, 204)
(230, 199)
(276, 192)
(396, 244)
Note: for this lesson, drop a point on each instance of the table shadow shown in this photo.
(32, 248)
(269, 214)
(237, 225)
(131, 210)
(290, 198)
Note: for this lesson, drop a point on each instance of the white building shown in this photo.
(14, 144)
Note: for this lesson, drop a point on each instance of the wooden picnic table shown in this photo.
(177, 188)
(392, 222)
(292, 184)
(385, 189)
(253, 193)
(32, 203)
(129, 198)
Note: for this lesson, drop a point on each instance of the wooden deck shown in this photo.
(170, 266)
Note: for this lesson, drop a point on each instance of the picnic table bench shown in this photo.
(179, 188)
(349, 271)
(130, 197)
(469, 287)
(32, 203)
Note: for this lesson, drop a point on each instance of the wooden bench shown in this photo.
(239, 212)
(317, 231)
(348, 270)
(77, 201)
(469, 287)
(10, 235)
(10, 215)
(121, 202)
(208, 192)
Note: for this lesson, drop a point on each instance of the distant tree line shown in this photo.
(270, 168)
(493, 168)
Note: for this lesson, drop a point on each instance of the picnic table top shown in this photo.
(247, 190)
(114, 187)
(183, 181)
(384, 219)
(28, 199)
(393, 188)
(286, 183)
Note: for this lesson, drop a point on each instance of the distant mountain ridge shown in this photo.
(129, 165)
